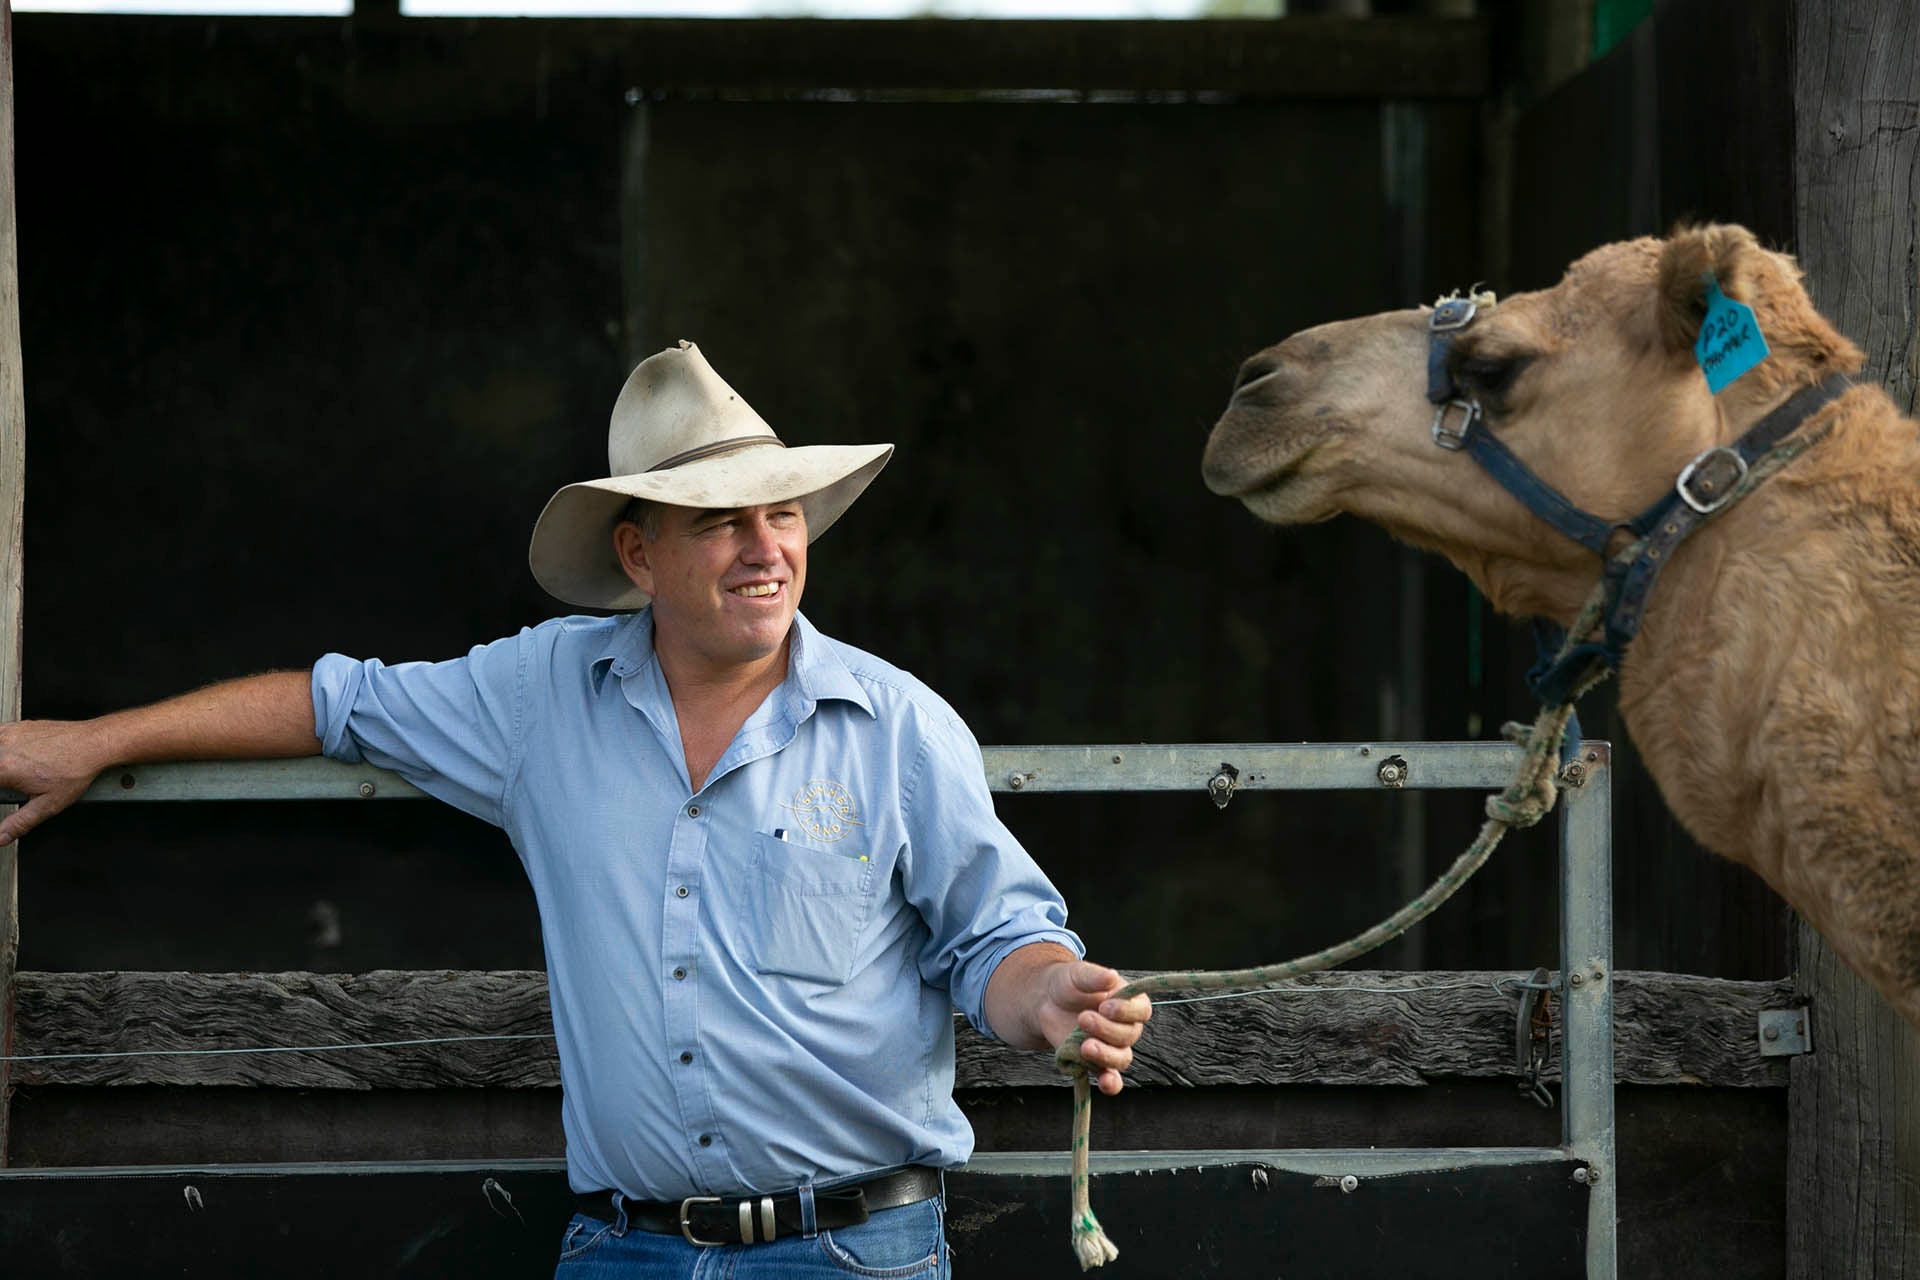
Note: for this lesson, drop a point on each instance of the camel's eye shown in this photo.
(1489, 377)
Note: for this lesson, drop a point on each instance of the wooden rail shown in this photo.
(1354, 1028)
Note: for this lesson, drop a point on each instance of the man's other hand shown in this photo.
(52, 762)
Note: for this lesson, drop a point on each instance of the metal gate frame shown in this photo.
(1584, 981)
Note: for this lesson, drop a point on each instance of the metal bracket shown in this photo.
(1221, 785)
(1533, 1034)
(1783, 1033)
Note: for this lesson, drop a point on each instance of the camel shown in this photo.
(1773, 686)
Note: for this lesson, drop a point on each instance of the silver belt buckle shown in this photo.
(747, 1207)
(686, 1221)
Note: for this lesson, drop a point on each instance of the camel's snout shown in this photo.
(1220, 467)
(1277, 447)
(1252, 443)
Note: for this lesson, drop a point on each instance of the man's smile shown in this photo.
(755, 589)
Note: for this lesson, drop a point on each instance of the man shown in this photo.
(766, 863)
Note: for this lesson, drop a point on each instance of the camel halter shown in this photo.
(1713, 481)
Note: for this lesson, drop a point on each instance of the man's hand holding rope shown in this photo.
(1041, 995)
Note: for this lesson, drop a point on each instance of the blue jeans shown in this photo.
(907, 1241)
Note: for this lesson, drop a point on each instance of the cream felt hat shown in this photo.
(682, 436)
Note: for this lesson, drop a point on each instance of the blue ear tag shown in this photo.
(1730, 341)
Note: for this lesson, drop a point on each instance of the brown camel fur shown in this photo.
(1774, 687)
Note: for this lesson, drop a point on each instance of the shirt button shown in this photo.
(686, 1057)
(680, 892)
(693, 811)
(706, 1139)
(679, 975)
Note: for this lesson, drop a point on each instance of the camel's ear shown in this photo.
(1726, 253)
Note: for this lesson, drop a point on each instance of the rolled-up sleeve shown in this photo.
(980, 892)
(452, 728)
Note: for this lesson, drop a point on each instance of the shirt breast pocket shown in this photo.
(809, 908)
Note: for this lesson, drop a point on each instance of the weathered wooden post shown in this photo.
(1853, 1157)
(12, 495)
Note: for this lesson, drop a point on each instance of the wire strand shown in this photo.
(1328, 991)
(289, 1048)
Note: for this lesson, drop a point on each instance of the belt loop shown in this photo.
(619, 1215)
(809, 1224)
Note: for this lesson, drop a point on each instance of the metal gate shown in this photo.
(1524, 1211)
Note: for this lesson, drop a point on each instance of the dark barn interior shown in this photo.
(315, 314)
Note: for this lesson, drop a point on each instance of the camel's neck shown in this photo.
(1778, 636)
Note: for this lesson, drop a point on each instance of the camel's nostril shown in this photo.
(1255, 368)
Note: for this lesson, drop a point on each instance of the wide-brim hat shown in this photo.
(682, 436)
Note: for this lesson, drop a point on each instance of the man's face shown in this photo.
(724, 583)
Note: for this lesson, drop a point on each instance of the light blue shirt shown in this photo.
(752, 984)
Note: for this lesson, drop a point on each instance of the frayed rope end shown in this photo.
(1090, 1244)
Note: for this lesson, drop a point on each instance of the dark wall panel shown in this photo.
(1687, 1156)
(316, 319)
(305, 359)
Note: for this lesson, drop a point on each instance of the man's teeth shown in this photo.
(757, 589)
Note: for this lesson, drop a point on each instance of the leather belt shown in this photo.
(717, 1220)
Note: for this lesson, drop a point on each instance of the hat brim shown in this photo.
(572, 554)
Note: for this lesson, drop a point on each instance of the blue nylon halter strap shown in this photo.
(1704, 486)
(1707, 483)
(1449, 318)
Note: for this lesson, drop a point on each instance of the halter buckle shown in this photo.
(1454, 439)
(1718, 488)
(1452, 313)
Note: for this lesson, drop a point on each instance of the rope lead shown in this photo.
(1529, 798)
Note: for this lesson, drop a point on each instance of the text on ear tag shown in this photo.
(1730, 341)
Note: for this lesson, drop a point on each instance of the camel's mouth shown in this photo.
(1290, 497)
(1268, 462)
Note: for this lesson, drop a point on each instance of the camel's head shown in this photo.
(1593, 384)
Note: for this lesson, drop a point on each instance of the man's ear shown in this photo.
(630, 549)
(1690, 257)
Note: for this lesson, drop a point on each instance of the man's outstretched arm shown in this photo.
(54, 761)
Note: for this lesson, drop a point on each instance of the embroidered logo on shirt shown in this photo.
(824, 810)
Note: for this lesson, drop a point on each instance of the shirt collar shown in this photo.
(629, 648)
(815, 669)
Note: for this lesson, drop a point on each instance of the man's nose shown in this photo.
(760, 545)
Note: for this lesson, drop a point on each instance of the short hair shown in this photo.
(643, 512)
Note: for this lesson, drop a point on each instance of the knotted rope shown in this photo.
(1528, 799)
